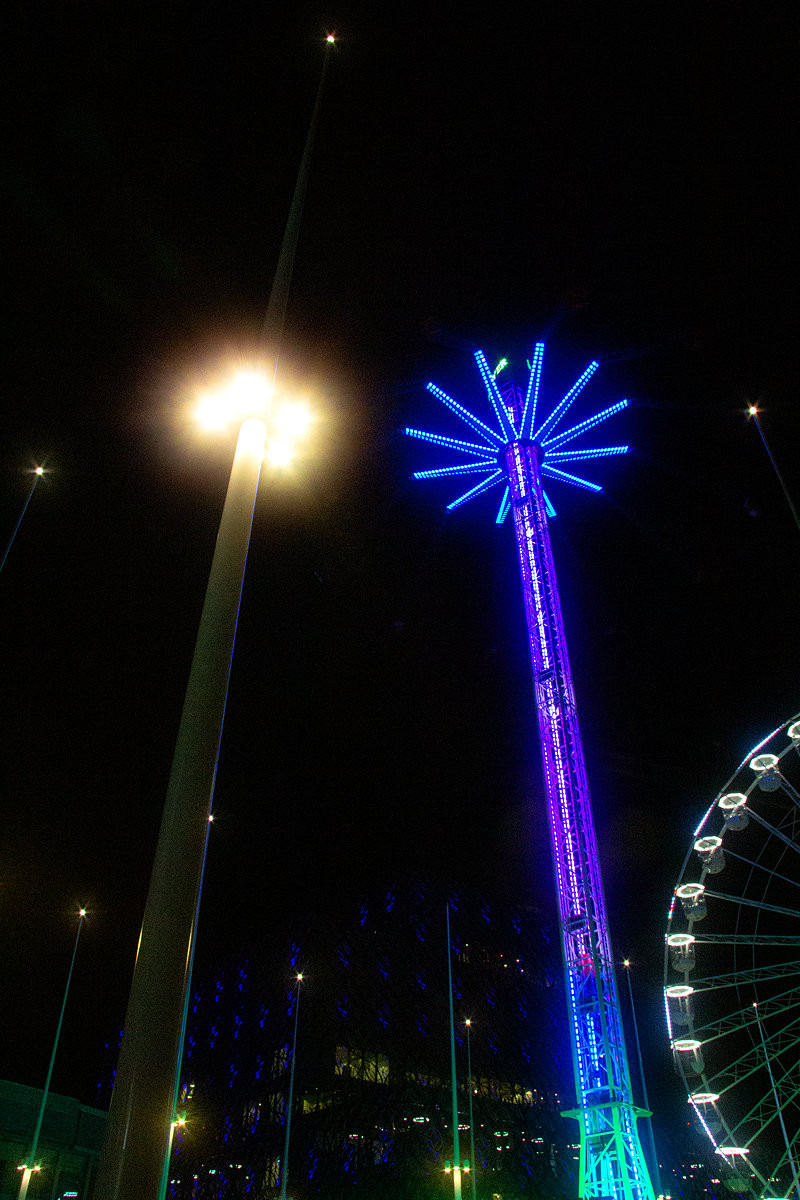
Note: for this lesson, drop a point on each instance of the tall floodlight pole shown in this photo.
(655, 1172)
(37, 473)
(517, 452)
(31, 1165)
(753, 412)
(290, 1097)
(453, 1079)
(472, 1162)
(134, 1160)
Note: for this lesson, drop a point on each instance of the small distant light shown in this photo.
(626, 962)
(39, 471)
(81, 912)
(299, 978)
(211, 818)
(468, 1022)
(330, 39)
(752, 411)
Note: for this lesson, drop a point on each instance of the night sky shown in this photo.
(612, 182)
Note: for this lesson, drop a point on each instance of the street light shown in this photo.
(473, 1164)
(37, 473)
(31, 1165)
(453, 1082)
(134, 1162)
(290, 1098)
(626, 962)
(753, 412)
(135, 1155)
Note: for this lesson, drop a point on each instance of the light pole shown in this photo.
(38, 472)
(135, 1157)
(453, 1082)
(753, 412)
(653, 1152)
(30, 1166)
(472, 1163)
(290, 1099)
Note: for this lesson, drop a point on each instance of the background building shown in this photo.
(372, 1110)
(69, 1145)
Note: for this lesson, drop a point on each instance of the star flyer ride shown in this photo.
(521, 449)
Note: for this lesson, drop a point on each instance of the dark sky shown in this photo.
(614, 184)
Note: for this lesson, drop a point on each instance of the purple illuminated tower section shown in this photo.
(518, 451)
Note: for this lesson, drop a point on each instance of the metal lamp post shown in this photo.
(290, 1098)
(135, 1156)
(753, 412)
(453, 1081)
(30, 1166)
(38, 472)
(472, 1164)
(653, 1152)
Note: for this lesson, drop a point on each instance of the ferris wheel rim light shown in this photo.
(690, 891)
(679, 991)
(688, 1045)
(706, 845)
(764, 762)
(704, 1097)
(681, 939)
(730, 1151)
(793, 732)
(731, 801)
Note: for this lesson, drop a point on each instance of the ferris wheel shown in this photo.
(732, 971)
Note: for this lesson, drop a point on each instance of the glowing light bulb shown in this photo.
(247, 395)
(293, 419)
(279, 453)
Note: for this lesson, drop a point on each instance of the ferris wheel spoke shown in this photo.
(765, 1110)
(774, 875)
(712, 983)
(746, 939)
(766, 825)
(773, 1006)
(761, 904)
(735, 1071)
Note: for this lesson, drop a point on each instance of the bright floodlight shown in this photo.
(293, 420)
(280, 453)
(247, 395)
(39, 471)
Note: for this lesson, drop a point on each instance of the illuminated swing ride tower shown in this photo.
(519, 451)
